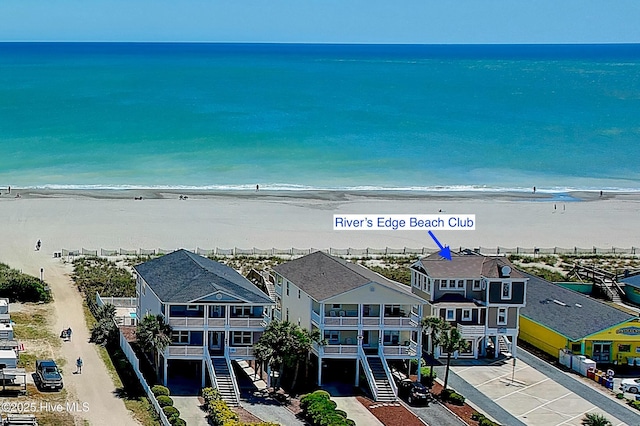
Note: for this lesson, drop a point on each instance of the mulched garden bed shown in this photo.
(462, 411)
(391, 414)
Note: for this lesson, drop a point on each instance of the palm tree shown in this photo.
(284, 344)
(593, 419)
(433, 327)
(105, 327)
(451, 341)
(153, 335)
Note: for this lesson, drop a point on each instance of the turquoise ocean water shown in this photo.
(309, 116)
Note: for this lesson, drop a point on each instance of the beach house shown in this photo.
(481, 296)
(365, 319)
(216, 315)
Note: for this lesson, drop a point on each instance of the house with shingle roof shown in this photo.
(479, 295)
(557, 318)
(216, 315)
(365, 318)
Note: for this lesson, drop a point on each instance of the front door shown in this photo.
(215, 341)
(602, 352)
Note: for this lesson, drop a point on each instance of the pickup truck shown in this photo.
(48, 375)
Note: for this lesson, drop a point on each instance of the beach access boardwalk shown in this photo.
(539, 395)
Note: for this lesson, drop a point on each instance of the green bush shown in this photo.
(486, 422)
(177, 421)
(452, 397)
(158, 390)
(165, 401)
(320, 410)
(635, 404)
(170, 411)
(220, 414)
(427, 379)
(342, 413)
(620, 395)
(19, 287)
(210, 394)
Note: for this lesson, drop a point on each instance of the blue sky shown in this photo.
(323, 21)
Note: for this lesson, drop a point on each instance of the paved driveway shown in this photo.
(540, 394)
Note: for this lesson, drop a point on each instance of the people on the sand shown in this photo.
(38, 245)
(257, 188)
(79, 365)
(534, 189)
(69, 333)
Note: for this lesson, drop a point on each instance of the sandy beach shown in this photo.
(105, 219)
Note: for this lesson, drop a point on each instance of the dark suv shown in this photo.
(414, 392)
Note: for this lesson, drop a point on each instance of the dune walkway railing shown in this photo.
(352, 252)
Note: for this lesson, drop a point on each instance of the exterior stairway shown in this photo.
(504, 346)
(225, 381)
(271, 289)
(385, 391)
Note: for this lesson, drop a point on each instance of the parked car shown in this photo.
(630, 385)
(413, 392)
(48, 375)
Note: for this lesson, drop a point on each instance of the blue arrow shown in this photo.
(444, 251)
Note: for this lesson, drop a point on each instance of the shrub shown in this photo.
(486, 422)
(620, 395)
(220, 414)
(210, 394)
(177, 421)
(165, 401)
(428, 380)
(320, 410)
(342, 413)
(170, 411)
(635, 404)
(19, 287)
(158, 390)
(456, 398)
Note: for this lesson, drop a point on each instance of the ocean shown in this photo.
(290, 117)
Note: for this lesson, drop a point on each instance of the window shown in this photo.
(241, 338)
(192, 307)
(502, 316)
(287, 288)
(452, 283)
(144, 288)
(332, 336)
(451, 315)
(476, 285)
(624, 348)
(180, 337)
(429, 285)
(391, 337)
(439, 283)
(298, 293)
(506, 291)
(576, 348)
(336, 306)
(241, 311)
(287, 317)
(466, 315)
(162, 308)
(460, 283)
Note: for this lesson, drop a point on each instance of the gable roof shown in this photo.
(322, 276)
(572, 321)
(467, 266)
(183, 277)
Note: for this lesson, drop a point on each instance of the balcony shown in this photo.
(338, 349)
(471, 330)
(216, 322)
(406, 350)
(398, 322)
(186, 350)
(341, 321)
(240, 351)
(186, 321)
(249, 322)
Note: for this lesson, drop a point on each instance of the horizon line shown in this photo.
(348, 43)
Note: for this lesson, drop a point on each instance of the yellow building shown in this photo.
(556, 318)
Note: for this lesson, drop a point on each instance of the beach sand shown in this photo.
(105, 219)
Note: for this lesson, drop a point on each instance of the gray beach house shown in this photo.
(216, 315)
(480, 295)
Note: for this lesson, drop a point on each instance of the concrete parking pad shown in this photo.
(532, 397)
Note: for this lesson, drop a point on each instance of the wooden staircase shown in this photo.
(225, 381)
(385, 391)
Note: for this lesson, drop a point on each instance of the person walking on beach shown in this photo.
(69, 333)
(79, 366)
(38, 245)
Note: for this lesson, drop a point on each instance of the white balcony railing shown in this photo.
(315, 317)
(398, 321)
(240, 351)
(399, 350)
(186, 350)
(216, 322)
(340, 349)
(471, 330)
(371, 321)
(415, 319)
(341, 321)
(186, 322)
(246, 322)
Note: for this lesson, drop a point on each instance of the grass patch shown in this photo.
(35, 326)
(50, 418)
